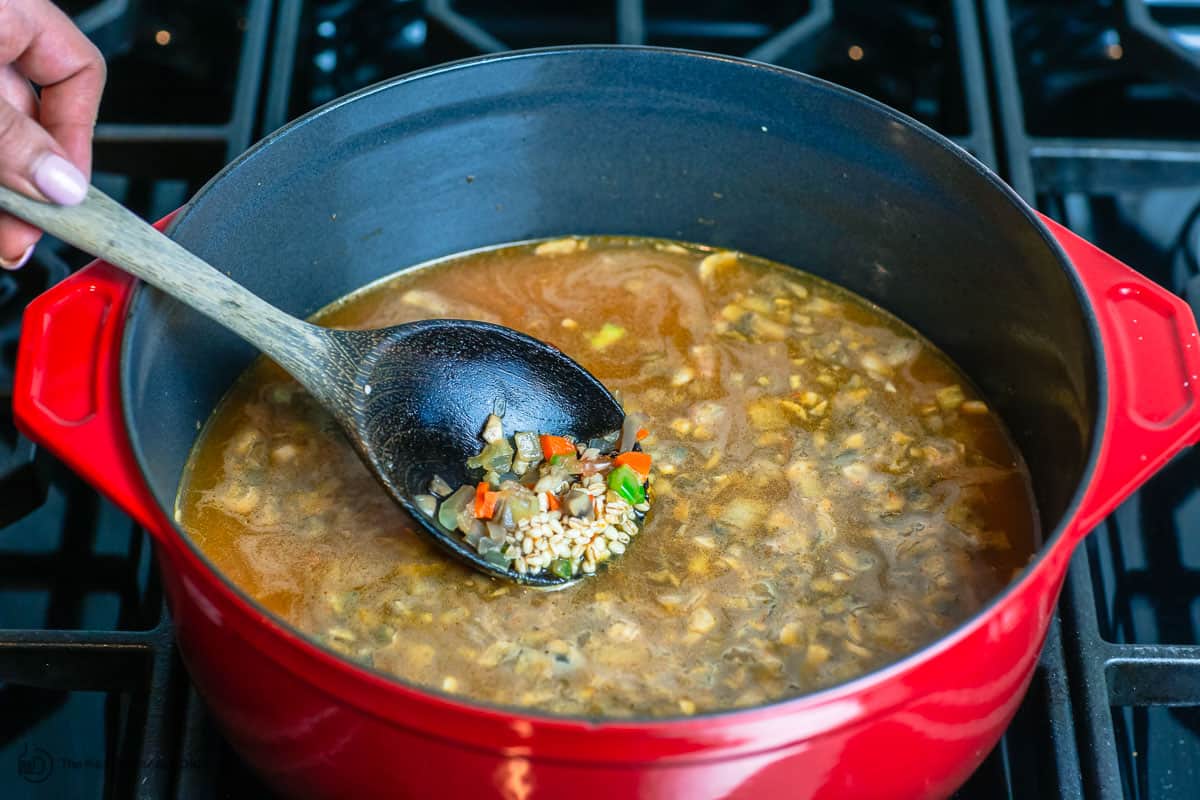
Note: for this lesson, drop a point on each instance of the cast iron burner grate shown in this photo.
(93, 700)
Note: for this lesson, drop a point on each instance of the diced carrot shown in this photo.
(552, 501)
(485, 501)
(642, 433)
(556, 446)
(481, 490)
(637, 461)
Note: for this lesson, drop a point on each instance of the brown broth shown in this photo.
(817, 512)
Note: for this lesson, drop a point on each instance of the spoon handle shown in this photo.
(103, 227)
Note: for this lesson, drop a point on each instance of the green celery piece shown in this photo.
(496, 557)
(627, 484)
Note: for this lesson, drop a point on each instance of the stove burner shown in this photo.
(22, 476)
(1110, 68)
(906, 54)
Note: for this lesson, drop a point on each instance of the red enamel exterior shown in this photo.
(317, 726)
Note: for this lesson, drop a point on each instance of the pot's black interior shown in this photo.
(630, 141)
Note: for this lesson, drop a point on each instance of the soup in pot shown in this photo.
(828, 492)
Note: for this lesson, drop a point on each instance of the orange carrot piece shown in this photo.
(556, 446)
(637, 461)
(642, 433)
(552, 501)
(485, 501)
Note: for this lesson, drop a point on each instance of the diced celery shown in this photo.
(495, 457)
(627, 484)
(523, 506)
(448, 513)
(496, 557)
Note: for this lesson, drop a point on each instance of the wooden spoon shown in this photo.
(411, 398)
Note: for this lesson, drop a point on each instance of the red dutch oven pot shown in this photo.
(1093, 367)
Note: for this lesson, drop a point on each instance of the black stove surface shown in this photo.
(1088, 107)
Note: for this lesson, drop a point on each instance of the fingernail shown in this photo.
(20, 262)
(59, 180)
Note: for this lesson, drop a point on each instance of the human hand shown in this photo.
(46, 141)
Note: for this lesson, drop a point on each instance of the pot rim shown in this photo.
(290, 636)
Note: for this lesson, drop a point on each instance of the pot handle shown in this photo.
(1152, 356)
(66, 389)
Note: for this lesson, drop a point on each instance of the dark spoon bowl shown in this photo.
(432, 385)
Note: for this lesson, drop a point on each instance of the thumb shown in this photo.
(33, 163)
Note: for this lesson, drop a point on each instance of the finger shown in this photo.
(16, 237)
(16, 89)
(49, 50)
(32, 162)
(23, 145)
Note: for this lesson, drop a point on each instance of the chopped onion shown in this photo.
(466, 520)
(438, 486)
(568, 464)
(503, 512)
(448, 513)
(633, 422)
(497, 456)
(528, 447)
(497, 558)
(427, 503)
(496, 533)
(493, 429)
(553, 481)
(523, 505)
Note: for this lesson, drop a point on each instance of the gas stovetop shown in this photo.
(1088, 108)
